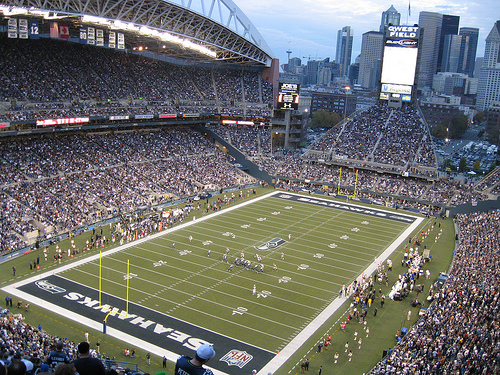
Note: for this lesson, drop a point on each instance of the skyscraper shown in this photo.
(372, 48)
(449, 26)
(312, 70)
(430, 32)
(454, 51)
(344, 49)
(390, 16)
(434, 27)
(470, 56)
(489, 79)
(293, 64)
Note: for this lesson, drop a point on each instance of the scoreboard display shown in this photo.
(288, 96)
(399, 62)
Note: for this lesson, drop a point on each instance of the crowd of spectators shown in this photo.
(444, 192)
(459, 334)
(382, 135)
(57, 183)
(35, 351)
(407, 191)
(80, 178)
(490, 182)
(93, 81)
(84, 177)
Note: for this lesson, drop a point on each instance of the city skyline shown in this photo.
(309, 29)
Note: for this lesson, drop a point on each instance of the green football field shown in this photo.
(308, 247)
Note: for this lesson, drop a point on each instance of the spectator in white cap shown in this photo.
(194, 366)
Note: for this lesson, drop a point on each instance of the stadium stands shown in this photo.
(59, 183)
(90, 176)
(101, 82)
(379, 139)
(491, 182)
(385, 136)
(20, 341)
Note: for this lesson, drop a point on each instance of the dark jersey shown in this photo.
(56, 358)
(183, 366)
(89, 366)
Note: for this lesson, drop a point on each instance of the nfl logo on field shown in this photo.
(237, 358)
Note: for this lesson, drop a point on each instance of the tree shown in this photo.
(478, 118)
(325, 119)
(457, 126)
(477, 165)
(448, 166)
(463, 164)
(439, 131)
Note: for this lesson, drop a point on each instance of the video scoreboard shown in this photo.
(288, 96)
(399, 63)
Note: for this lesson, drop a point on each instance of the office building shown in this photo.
(293, 64)
(372, 48)
(430, 32)
(477, 66)
(489, 77)
(458, 84)
(493, 125)
(344, 49)
(390, 17)
(342, 103)
(449, 26)
(435, 29)
(325, 76)
(470, 56)
(312, 70)
(459, 52)
(354, 72)
(454, 51)
(436, 113)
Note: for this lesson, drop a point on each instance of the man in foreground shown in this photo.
(85, 364)
(194, 366)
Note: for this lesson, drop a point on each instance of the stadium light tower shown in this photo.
(347, 88)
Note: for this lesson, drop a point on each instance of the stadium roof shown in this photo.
(202, 30)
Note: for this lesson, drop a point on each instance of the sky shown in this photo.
(309, 27)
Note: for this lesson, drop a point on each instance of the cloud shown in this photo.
(310, 26)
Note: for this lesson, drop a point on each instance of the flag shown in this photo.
(64, 31)
(54, 30)
(409, 9)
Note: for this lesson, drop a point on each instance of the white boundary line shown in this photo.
(272, 365)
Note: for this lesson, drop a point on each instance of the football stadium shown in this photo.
(156, 198)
